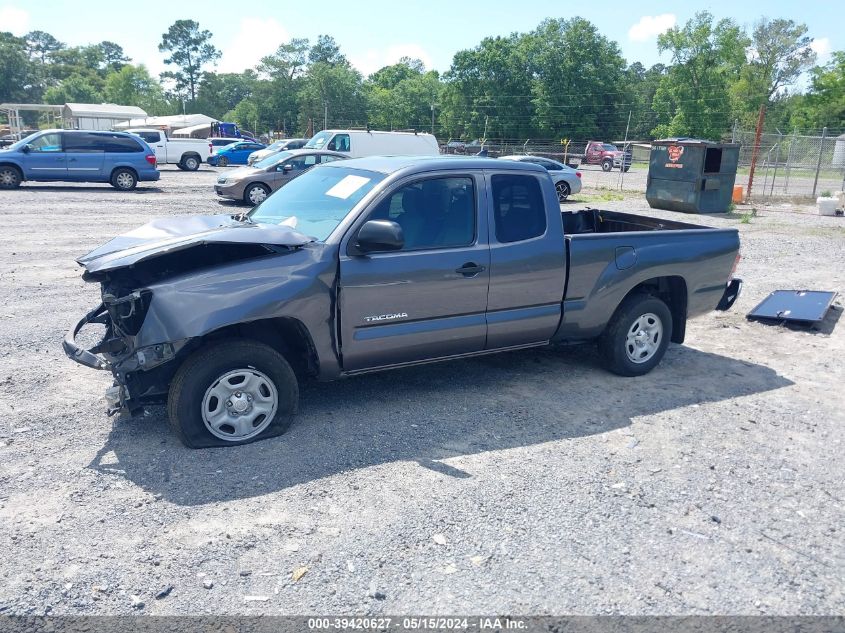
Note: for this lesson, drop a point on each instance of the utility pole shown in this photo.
(819, 164)
(326, 117)
(432, 118)
(756, 149)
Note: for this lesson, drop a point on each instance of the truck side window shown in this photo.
(340, 143)
(433, 213)
(47, 143)
(518, 209)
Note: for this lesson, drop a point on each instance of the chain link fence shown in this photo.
(792, 165)
(788, 165)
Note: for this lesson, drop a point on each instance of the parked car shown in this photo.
(378, 263)
(221, 141)
(360, 143)
(78, 156)
(276, 147)
(566, 179)
(186, 153)
(254, 184)
(234, 154)
(606, 155)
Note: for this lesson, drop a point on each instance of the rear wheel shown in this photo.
(606, 164)
(10, 177)
(230, 393)
(191, 163)
(124, 179)
(563, 191)
(222, 161)
(637, 336)
(256, 194)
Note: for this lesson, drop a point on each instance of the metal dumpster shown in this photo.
(691, 175)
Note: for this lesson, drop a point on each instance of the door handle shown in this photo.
(470, 269)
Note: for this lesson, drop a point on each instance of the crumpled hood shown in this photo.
(167, 235)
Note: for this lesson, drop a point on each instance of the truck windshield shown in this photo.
(318, 200)
(609, 148)
(318, 141)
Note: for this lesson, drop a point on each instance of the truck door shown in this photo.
(527, 261)
(427, 300)
(158, 143)
(46, 159)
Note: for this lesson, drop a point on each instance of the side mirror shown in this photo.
(287, 168)
(380, 235)
(26, 149)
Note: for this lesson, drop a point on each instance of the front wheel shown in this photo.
(256, 194)
(10, 177)
(563, 191)
(222, 161)
(231, 393)
(124, 179)
(606, 164)
(637, 336)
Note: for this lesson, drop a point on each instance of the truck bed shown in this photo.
(597, 221)
(609, 252)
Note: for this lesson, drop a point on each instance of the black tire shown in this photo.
(181, 166)
(191, 162)
(251, 193)
(222, 161)
(204, 369)
(606, 164)
(615, 348)
(563, 190)
(124, 179)
(10, 177)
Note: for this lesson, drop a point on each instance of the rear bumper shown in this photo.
(731, 294)
(149, 176)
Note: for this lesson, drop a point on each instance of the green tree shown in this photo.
(190, 49)
(640, 87)
(693, 99)
(489, 88)
(579, 77)
(336, 87)
(326, 51)
(15, 72)
(824, 103)
(133, 85)
(288, 62)
(74, 89)
(113, 56)
(41, 45)
(220, 93)
(779, 54)
(402, 95)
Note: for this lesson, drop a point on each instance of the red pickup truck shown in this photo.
(606, 155)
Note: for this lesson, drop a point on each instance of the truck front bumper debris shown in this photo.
(92, 358)
(731, 294)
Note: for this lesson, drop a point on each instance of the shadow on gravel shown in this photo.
(427, 414)
(28, 188)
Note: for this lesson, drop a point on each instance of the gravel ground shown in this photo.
(529, 482)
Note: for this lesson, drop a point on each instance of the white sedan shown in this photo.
(566, 179)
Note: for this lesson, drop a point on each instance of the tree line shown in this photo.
(564, 79)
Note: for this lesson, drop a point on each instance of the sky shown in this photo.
(374, 33)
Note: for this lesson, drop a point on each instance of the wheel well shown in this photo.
(13, 166)
(116, 169)
(286, 335)
(673, 292)
(189, 155)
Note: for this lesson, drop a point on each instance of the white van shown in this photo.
(359, 143)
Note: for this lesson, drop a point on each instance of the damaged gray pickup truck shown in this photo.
(377, 263)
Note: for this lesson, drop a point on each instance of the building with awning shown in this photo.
(102, 116)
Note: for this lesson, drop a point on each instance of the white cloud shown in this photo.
(821, 46)
(14, 20)
(256, 38)
(650, 26)
(374, 59)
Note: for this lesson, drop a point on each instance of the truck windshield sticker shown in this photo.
(347, 186)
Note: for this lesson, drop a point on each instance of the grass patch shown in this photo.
(745, 218)
(603, 196)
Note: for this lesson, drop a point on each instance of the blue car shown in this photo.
(118, 158)
(234, 154)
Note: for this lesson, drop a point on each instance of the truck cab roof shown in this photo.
(392, 164)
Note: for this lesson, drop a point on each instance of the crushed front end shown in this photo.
(141, 375)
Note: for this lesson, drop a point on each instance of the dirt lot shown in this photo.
(531, 482)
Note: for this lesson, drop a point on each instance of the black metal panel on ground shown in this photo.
(796, 306)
